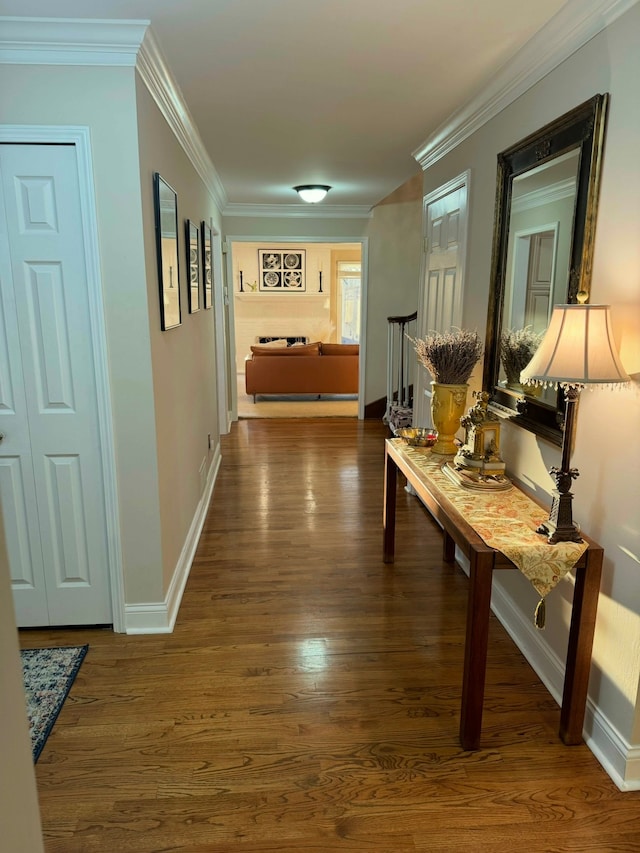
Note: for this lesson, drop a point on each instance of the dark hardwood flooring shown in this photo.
(308, 698)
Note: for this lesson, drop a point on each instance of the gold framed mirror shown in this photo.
(545, 215)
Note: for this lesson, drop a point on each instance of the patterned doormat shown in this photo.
(48, 675)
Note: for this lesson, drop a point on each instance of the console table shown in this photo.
(483, 559)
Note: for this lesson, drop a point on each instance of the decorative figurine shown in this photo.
(478, 464)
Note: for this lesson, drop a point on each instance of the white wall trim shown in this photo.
(163, 88)
(619, 759)
(80, 138)
(219, 305)
(364, 301)
(160, 617)
(545, 195)
(300, 211)
(574, 25)
(72, 41)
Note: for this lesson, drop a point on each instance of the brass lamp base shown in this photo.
(560, 526)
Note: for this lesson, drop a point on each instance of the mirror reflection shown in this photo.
(538, 262)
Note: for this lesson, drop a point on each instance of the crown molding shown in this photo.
(52, 41)
(545, 195)
(303, 211)
(163, 88)
(574, 25)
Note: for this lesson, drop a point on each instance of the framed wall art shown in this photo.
(207, 265)
(282, 270)
(192, 240)
(166, 220)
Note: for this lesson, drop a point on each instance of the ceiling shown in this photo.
(339, 92)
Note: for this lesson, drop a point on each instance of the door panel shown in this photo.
(53, 424)
(440, 298)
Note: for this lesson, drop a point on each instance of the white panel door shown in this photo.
(440, 297)
(51, 482)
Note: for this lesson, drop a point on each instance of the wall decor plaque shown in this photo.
(192, 239)
(282, 270)
(166, 222)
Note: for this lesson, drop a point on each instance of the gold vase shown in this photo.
(448, 404)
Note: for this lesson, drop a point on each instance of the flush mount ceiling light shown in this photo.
(312, 192)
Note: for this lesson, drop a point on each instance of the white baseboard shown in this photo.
(160, 617)
(619, 759)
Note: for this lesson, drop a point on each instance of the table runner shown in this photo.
(507, 521)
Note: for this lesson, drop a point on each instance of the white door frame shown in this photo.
(80, 138)
(221, 344)
(364, 251)
(521, 259)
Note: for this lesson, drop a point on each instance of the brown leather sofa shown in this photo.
(316, 368)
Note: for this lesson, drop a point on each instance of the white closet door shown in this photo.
(51, 483)
(440, 297)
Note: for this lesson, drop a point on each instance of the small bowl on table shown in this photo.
(417, 436)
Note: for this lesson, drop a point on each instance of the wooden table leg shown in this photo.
(448, 547)
(475, 648)
(578, 664)
(389, 513)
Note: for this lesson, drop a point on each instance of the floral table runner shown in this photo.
(507, 521)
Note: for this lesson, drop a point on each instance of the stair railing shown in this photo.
(401, 362)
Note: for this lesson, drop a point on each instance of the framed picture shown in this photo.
(166, 215)
(192, 240)
(282, 270)
(207, 265)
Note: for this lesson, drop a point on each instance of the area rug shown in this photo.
(48, 675)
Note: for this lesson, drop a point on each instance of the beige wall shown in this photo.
(19, 813)
(395, 255)
(606, 496)
(184, 358)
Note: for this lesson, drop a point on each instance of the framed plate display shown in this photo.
(192, 239)
(207, 265)
(166, 216)
(282, 270)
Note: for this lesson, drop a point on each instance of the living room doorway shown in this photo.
(297, 292)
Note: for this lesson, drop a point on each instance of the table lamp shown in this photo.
(577, 350)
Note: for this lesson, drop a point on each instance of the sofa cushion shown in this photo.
(306, 349)
(340, 349)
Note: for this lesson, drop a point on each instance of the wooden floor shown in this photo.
(308, 698)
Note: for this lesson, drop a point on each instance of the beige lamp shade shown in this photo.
(578, 349)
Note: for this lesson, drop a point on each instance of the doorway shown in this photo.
(324, 303)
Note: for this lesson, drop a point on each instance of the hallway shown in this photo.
(308, 698)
